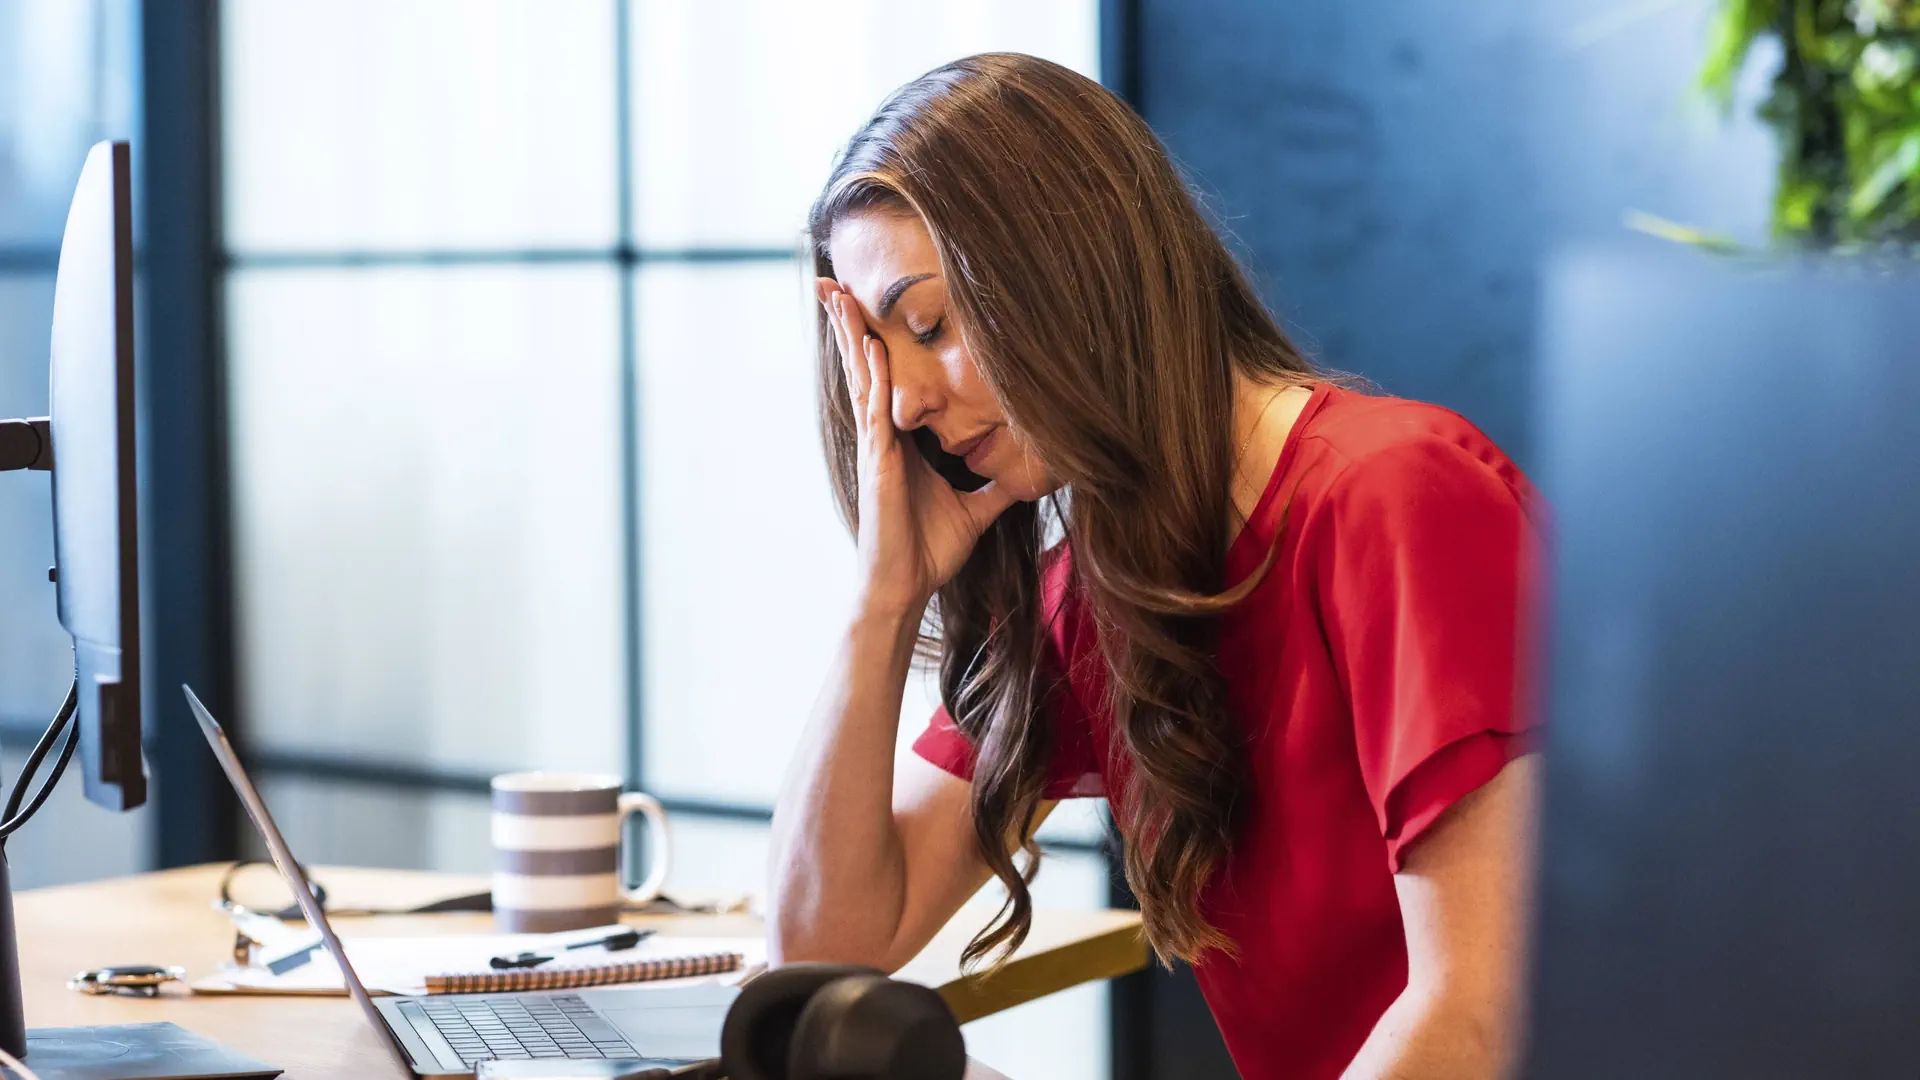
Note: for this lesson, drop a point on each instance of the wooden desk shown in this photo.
(168, 918)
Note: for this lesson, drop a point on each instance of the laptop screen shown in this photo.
(290, 870)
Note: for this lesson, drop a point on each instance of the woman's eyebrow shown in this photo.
(894, 291)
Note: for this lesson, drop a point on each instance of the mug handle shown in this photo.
(659, 848)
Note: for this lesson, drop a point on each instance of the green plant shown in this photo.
(1845, 106)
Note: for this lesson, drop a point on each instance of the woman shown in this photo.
(1275, 622)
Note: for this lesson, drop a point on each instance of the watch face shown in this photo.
(143, 979)
(133, 971)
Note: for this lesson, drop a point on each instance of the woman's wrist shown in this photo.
(884, 600)
(891, 618)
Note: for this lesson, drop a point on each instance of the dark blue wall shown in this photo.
(1395, 171)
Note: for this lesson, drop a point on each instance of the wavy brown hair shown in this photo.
(1111, 322)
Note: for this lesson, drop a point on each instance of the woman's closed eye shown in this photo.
(929, 335)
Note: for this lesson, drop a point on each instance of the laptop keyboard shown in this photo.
(561, 1026)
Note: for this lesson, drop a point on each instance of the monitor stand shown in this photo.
(13, 1020)
(116, 1052)
(137, 1052)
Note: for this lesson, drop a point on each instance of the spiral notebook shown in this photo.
(568, 976)
(457, 964)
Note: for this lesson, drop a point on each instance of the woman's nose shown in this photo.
(915, 395)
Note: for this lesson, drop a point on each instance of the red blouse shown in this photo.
(1378, 672)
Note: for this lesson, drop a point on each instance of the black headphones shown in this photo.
(834, 1022)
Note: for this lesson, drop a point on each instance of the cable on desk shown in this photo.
(291, 913)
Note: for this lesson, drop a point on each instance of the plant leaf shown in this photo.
(1793, 205)
(1900, 164)
(1736, 25)
(1667, 229)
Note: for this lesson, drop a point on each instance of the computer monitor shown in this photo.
(88, 443)
(95, 509)
(1731, 843)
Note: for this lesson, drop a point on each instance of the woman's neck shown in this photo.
(1263, 415)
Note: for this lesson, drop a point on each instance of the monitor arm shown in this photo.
(26, 444)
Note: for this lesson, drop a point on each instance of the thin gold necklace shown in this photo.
(1255, 428)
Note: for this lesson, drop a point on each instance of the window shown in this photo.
(425, 325)
(525, 466)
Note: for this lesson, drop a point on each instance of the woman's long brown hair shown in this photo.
(1111, 322)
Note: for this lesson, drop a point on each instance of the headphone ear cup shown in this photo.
(760, 1024)
(870, 1027)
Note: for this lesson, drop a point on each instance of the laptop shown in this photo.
(447, 1036)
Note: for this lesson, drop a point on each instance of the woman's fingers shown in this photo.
(850, 314)
(880, 383)
(852, 364)
(863, 360)
(851, 331)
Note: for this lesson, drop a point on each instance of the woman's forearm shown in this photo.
(839, 868)
(1429, 1036)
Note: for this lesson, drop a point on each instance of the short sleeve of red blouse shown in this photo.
(1427, 571)
(1072, 773)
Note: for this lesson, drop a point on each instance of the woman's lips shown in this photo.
(975, 450)
(964, 446)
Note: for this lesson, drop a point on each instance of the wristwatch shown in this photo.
(140, 980)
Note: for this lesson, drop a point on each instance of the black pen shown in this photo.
(614, 942)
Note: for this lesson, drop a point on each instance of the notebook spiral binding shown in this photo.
(567, 978)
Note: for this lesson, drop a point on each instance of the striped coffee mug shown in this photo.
(556, 850)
